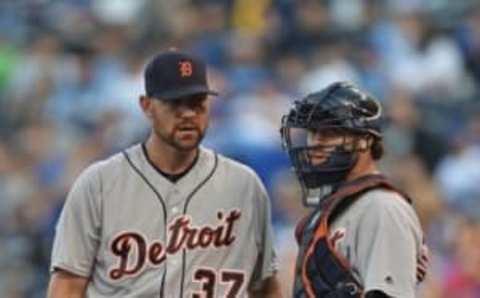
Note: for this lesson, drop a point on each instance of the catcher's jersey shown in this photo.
(381, 237)
(136, 234)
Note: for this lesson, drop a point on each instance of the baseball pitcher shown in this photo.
(168, 217)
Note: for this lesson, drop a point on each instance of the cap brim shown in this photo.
(193, 90)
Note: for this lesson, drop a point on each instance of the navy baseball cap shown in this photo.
(173, 74)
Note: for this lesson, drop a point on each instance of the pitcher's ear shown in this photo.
(146, 105)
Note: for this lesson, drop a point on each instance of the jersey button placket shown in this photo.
(174, 199)
(174, 260)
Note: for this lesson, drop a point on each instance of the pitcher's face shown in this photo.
(180, 123)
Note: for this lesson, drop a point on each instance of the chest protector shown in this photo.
(320, 270)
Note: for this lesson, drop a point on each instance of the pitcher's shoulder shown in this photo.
(236, 167)
(106, 170)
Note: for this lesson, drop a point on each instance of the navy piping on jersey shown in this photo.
(171, 177)
(185, 208)
(164, 209)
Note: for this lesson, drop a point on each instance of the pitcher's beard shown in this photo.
(182, 145)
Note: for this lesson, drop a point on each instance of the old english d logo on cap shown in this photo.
(172, 74)
(185, 68)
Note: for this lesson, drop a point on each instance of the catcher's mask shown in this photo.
(323, 134)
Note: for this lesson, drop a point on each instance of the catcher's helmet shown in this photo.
(340, 109)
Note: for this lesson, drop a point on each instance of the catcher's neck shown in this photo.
(365, 166)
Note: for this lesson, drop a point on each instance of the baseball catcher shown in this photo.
(363, 237)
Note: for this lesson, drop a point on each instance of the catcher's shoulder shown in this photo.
(386, 205)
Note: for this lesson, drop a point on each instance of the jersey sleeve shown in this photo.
(77, 231)
(266, 264)
(389, 235)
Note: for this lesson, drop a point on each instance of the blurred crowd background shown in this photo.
(71, 74)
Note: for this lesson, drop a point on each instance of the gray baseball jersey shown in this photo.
(381, 237)
(136, 234)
